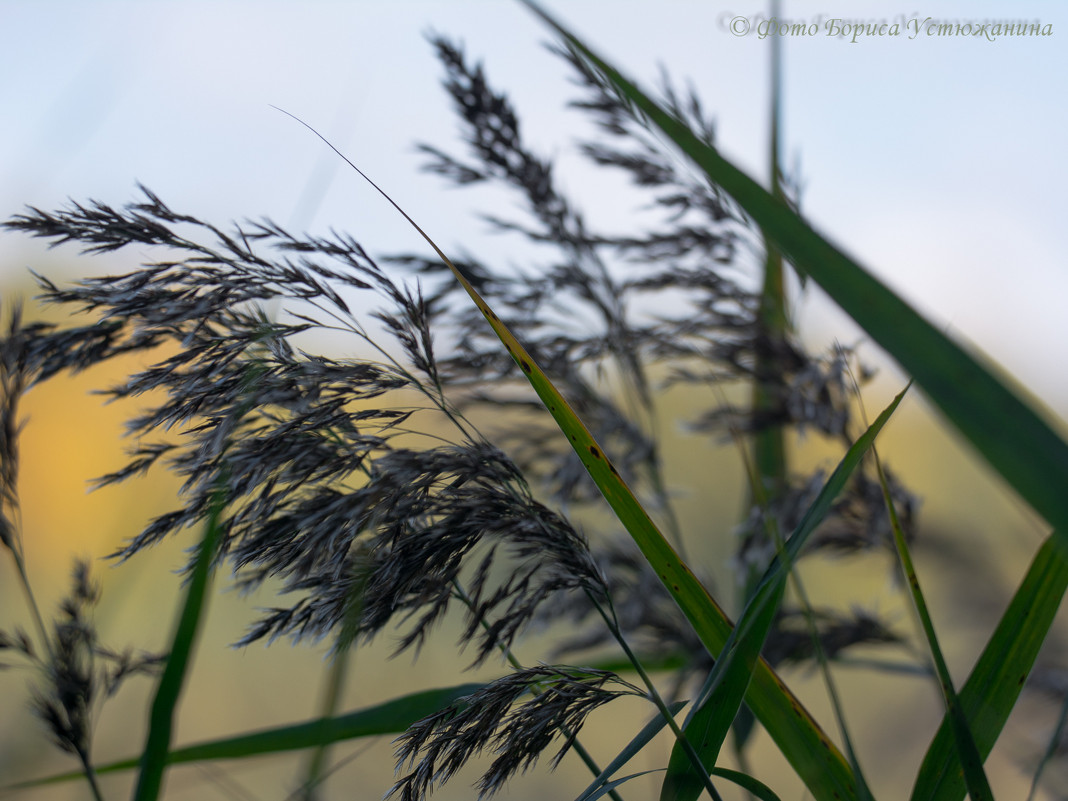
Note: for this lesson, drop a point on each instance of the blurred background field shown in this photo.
(937, 163)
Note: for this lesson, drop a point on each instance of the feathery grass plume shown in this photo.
(12, 385)
(490, 719)
(65, 697)
(694, 250)
(76, 672)
(325, 495)
(573, 316)
(18, 372)
(334, 485)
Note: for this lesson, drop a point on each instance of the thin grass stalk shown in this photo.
(31, 601)
(971, 761)
(768, 390)
(161, 721)
(298, 793)
(527, 363)
(1051, 749)
(863, 790)
(13, 381)
(339, 669)
(681, 740)
(769, 451)
(994, 684)
(639, 741)
(90, 774)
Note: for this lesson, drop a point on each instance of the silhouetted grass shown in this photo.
(363, 486)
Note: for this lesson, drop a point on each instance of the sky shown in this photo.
(936, 161)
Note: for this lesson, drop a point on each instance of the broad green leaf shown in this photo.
(1009, 434)
(161, 718)
(729, 678)
(995, 682)
(781, 713)
(391, 717)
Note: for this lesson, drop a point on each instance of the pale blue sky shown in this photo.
(936, 161)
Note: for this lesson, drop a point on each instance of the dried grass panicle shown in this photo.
(322, 493)
(333, 490)
(491, 719)
(584, 318)
(574, 316)
(76, 673)
(838, 630)
(13, 381)
(65, 699)
(432, 518)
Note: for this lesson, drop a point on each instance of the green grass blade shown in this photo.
(967, 752)
(991, 690)
(641, 739)
(708, 727)
(753, 786)
(161, 719)
(730, 676)
(1016, 441)
(391, 717)
(797, 734)
(612, 785)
